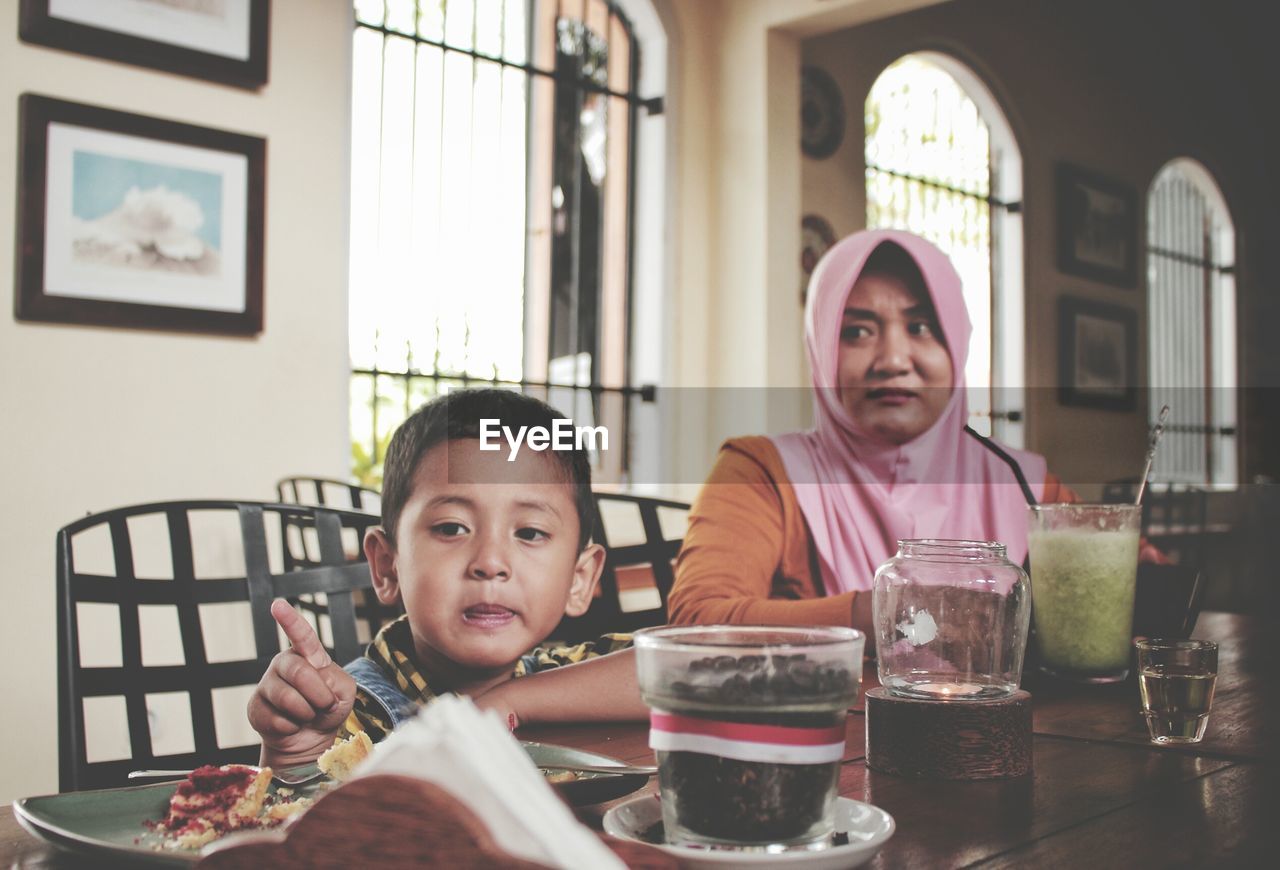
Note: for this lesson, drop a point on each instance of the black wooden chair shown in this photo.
(300, 544)
(164, 628)
(1174, 518)
(327, 492)
(641, 537)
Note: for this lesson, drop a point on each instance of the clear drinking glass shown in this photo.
(1176, 680)
(748, 723)
(1084, 565)
(951, 620)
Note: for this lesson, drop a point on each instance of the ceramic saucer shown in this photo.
(867, 828)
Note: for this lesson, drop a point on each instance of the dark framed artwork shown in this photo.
(1097, 348)
(127, 220)
(220, 40)
(821, 113)
(1097, 227)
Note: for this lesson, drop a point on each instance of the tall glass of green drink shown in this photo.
(1084, 565)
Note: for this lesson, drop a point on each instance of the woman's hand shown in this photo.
(1148, 552)
(302, 699)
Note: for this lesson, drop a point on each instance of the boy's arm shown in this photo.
(602, 689)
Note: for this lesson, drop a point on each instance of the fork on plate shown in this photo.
(291, 778)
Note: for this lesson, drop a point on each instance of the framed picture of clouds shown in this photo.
(1097, 348)
(127, 220)
(221, 40)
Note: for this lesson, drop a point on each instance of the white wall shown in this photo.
(95, 418)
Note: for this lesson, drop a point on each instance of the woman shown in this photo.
(790, 530)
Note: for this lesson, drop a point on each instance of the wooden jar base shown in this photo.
(948, 739)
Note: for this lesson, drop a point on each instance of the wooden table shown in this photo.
(1101, 795)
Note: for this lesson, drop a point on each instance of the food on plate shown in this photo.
(213, 801)
(340, 759)
(555, 776)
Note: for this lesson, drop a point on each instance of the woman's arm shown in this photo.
(602, 689)
(733, 548)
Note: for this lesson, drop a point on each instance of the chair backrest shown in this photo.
(302, 550)
(161, 628)
(641, 537)
(1176, 519)
(327, 492)
(1120, 491)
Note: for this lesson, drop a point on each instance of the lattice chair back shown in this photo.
(327, 492)
(302, 549)
(641, 537)
(160, 631)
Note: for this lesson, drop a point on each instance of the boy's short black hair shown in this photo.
(457, 415)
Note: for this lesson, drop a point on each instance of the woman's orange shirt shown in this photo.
(748, 557)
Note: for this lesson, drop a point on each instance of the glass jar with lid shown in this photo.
(951, 620)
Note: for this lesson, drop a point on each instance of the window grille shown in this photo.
(492, 153)
(932, 168)
(1192, 326)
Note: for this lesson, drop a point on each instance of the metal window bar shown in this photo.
(934, 184)
(651, 105)
(461, 38)
(1184, 271)
(900, 195)
(438, 380)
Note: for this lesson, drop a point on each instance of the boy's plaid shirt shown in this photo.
(392, 651)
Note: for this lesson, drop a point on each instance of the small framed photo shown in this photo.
(127, 220)
(220, 40)
(1097, 349)
(1097, 227)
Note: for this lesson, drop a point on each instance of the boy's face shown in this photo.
(486, 557)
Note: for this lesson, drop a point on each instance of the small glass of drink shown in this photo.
(1176, 679)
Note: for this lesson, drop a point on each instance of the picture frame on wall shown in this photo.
(132, 221)
(1097, 348)
(1097, 227)
(219, 40)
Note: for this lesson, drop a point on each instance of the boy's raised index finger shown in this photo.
(300, 633)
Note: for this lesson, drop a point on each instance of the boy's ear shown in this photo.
(586, 574)
(381, 555)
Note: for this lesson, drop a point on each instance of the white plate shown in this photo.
(867, 827)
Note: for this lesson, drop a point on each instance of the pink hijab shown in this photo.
(861, 495)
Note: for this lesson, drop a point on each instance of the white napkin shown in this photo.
(473, 756)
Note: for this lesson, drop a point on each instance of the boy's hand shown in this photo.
(302, 699)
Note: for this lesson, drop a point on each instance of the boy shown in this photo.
(487, 555)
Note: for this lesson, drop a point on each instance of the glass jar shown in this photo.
(951, 620)
(748, 724)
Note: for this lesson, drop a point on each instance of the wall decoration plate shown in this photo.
(816, 237)
(821, 113)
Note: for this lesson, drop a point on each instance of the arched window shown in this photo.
(493, 158)
(1191, 317)
(942, 162)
